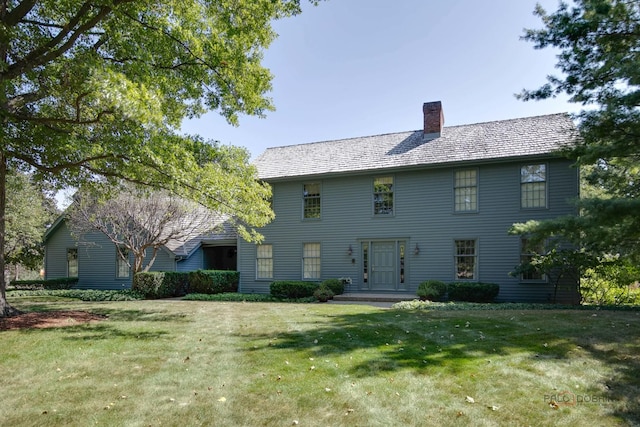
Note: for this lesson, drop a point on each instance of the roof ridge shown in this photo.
(415, 130)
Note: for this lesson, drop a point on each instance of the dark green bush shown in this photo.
(213, 281)
(61, 283)
(336, 286)
(176, 282)
(473, 291)
(323, 293)
(289, 289)
(150, 284)
(432, 290)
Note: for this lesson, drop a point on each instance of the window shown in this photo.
(122, 262)
(311, 261)
(533, 186)
(465, 190)
(527, 252)
(383, 196)
(311, 200)
(365, 262)
(264, 262)
(72, 262)
(466, 259)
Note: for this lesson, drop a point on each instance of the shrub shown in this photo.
(432, 290)
(61, 283)
(323, 293)
(473, 291)
(151, 285)
(213, 281)
(291, 289)
(335, 285)
(177, 281)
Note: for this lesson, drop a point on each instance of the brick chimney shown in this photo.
(433, 119)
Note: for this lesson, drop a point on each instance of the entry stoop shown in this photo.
(366, 297)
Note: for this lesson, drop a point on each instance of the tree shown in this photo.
(29, 211)
(599, 42)
(99, 89)
(137, 220)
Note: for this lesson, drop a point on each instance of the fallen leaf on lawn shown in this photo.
(312, 368)
(469, 399)
(327, 389)
(350, 410)
(553, 404)
(222, 399)
(493, 407)
(295, 423)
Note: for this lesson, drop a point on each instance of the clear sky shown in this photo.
(349, 68)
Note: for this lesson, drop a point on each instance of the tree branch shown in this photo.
(18, 12)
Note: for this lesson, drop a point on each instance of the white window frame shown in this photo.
(72, 260)
(123, 269)
(465, 187)
(380, 198)
(457, 257)
(311, 199)
(532, 177)
(264, 262)
(311, 261)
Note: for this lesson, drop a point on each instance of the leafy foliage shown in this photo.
(82, 294)
(153, 285)
(336, 285)
(292, 289)
(432, 290)
(599, 42)
(97, 91)
(236, 297)
(60, 283)
(323, 293)
(473, 291)
(213, 281)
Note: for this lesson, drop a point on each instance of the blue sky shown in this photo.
(349, 68)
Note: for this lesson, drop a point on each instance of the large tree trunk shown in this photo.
(5, 309)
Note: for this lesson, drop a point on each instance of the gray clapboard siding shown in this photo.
(423, 215)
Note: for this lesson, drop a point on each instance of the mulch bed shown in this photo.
(48, 319)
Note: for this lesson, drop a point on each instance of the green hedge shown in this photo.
(432, 290)
(290, 289)
(473, 291)
(153, 285)
(167, 284)
(61, 283)
(213, 281)
(336, 285)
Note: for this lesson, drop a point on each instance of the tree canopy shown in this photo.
(599, 60)
(93, 89)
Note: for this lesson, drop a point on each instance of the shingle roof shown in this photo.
(530, 136)
(219, 228)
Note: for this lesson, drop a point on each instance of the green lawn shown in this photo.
(191, 363)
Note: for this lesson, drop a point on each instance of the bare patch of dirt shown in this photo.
(49, 319)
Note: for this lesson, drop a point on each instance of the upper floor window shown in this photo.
(311, 200)
(383, 196)
(122, 262)
(465, 189)
(311, 261)
(72, 262)
(466, 260)
(533, 186)
(527, 252)
(264, 262)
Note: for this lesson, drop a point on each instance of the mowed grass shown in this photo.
(192, 363)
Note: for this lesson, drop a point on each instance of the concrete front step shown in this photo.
(374, 297)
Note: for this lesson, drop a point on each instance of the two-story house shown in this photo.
(390, 211)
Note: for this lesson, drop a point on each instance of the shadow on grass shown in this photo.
(430, 342)
(104, 331)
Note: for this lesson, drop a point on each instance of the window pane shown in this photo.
(311, 261)
(383, 196)
(122, 264)
(533, 186)
(311, 197)
(264, 262)
(465, 191)
(465, 259)
(72, 262)
(527, 253)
